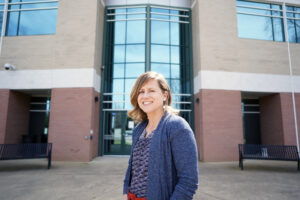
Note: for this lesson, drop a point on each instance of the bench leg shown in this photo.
(241, 164)
(49, 160)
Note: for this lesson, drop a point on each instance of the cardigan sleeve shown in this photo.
(185, 156)
(126, 180)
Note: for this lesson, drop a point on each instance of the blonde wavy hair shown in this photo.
(137, 114)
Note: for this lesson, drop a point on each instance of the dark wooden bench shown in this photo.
(26, 151)
(267, 152)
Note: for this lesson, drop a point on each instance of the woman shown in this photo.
(163, 164)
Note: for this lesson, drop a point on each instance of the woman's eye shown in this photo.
(141, 92)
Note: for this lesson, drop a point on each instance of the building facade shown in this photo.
(67, 68)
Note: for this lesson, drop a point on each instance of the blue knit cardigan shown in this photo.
(173, 160)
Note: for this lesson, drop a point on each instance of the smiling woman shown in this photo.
(163, 161)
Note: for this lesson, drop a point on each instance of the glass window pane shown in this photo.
(175, 86)
(160, 32)
(253, 4)
(157, 16)
(38, 5)
(136, 32)
(128, 87)
(38, 22)
(134, 70)
(160, 10)
(120, 32)
(139, 16)
(256, 27)
(298, 30)
(278, 29)
(254, 11)
(12, 23)
(118, 87)
(135, 10)
(175, 71)
(135, 53)
(118, 71)
(163, 69)
(160, 53)
(175, 33)
(175, 54)
(291, 30)
(1, 21)
(119, 53)
(119, 16)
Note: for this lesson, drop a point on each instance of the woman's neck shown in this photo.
(153, 120)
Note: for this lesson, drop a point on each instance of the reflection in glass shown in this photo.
(175, 54)
(118, 87)
(163, 69)
(256, 27)
(120, 32)
(175, 71)
(175, 34)
(134, 70)
(37, 22)
(136, 32)
(128, 86)
(160, 32)
(12, 23)
(278, 29)
(160, 53)
(119, 53)
(135, 53)
(118, 71)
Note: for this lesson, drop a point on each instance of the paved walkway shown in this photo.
(102, 179)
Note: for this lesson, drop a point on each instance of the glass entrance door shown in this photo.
(118, 133)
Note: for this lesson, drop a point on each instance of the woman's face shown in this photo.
(151, 97)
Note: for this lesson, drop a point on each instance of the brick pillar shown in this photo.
(277, 119)
(71, 119)
(4, 99)
(95, 125)
(17, 116)
(220, 124)
(271, 120)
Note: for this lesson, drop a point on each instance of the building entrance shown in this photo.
(137, 39)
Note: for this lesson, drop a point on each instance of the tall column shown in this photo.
(71, 120)
(220, 124)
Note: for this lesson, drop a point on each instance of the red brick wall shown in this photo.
(95, 125)
(4, 97)
(198, 124)
(288, 123)
(271, 120)
(220, 124)
(297, 99)
(71, 120)
(17, 117)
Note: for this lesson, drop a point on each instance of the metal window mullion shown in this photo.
(185, 22)
(113, 14)
(32, 2)
(268, 9)
(148, 40)
(245, 13)
(178, 9)
(32, 9)
(4, 19)
(114, 20)
(165, 14)
(125, 7)
(293, 18)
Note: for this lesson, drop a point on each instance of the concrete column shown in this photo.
(218, 120)
(71, 120)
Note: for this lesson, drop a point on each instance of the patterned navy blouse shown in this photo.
(140, 165)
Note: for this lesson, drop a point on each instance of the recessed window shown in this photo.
(293, 23)
(260, 21)
(29, 17)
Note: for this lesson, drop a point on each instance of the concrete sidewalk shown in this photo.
(103, 178)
